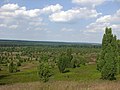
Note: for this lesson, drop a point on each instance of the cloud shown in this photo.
(10, 7)
(3, 25)
(13, 26)
(12, 16)
(76, 13)
(13, 10)
(105, 21)
(116, 16)
(114, 26)
(92, 3)
(96, 27)
(66, 29)
(52, 8)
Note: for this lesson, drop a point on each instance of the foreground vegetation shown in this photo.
(22, 63)
(29, 74)
(88, 79)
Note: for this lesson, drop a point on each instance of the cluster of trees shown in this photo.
(69, 60)
(108, 62)
(64, 60)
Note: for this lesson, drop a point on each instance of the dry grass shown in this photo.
(64, 85)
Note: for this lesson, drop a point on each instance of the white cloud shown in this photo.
(66, 29)
(13, 10)
(37, 23)
(41, 29)
(116, 27)
(106, 18)
(13, 26)
(116, 16)
(11, 14)
(92, 3)
(105, 21)
(52, 8)
(96, 27)
(77, 13)
(28, 13)
(10, 7)
(3, 25)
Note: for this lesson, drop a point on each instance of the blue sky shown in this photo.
(58, 20)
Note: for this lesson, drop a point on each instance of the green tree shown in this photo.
(109, 69)
(11, 67)
(18, 63)
(62, 62)
(108, 58)
(118, 42)
(69, 58)
(44, 72)
(119, 64)
(78, 60)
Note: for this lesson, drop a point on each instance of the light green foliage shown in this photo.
(44, 57)
(78, 60)
(18, 63)
(44, 72)
(12, 67)
(62, 62)
(82, 60)
(108, 58)
(69, 58)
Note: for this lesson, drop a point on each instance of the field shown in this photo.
(83, 77)
(83, 74)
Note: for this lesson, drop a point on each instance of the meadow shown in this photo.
(83, 78)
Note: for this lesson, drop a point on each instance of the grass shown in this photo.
(25, 75)
(82, 78)
(82, 74)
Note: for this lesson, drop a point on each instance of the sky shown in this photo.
(59, 20)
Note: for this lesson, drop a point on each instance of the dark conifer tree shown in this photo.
(108, 58)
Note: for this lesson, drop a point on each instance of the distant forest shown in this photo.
(7, 43)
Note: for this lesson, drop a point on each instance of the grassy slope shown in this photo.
(29, 74)
(85, 77)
